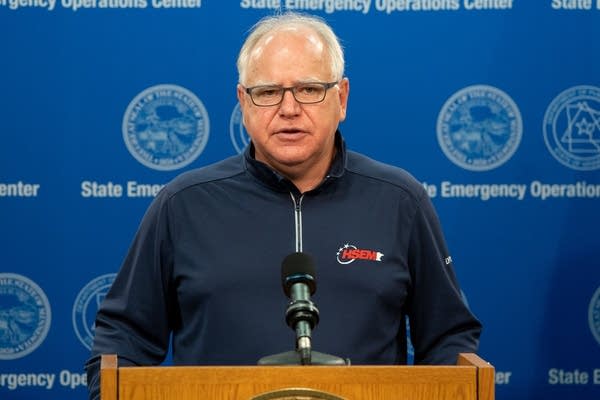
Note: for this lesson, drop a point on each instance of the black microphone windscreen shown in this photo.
(298, 268)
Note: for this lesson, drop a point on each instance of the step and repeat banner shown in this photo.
(494, 105)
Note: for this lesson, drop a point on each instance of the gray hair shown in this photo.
(291, 19)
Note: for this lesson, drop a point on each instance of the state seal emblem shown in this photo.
(86, 306)
(572, 128)
(594, 315)
(479, 128)
(237, 132)
(166, 127)
(25, 316)
(297, 394)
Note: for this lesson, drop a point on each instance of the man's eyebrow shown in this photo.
(296, 82)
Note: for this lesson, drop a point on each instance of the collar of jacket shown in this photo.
(276, 181)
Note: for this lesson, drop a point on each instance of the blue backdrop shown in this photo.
(493, 104)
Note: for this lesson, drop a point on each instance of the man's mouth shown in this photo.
(290, 134)
(289, 131)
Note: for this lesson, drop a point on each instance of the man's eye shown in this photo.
(310, 90)
(307, 89)
(267, 92)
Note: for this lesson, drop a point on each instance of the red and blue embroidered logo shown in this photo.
(348, 253)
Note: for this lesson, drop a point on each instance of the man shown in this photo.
(203, 271)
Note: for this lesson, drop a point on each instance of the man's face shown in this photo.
(291, 136)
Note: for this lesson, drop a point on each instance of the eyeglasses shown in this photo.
(304, 93)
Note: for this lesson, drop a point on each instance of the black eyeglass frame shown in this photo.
(326, 86)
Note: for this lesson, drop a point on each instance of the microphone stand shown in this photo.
(297, 273)
(302, 315)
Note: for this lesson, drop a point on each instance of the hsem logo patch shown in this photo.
(348, 253)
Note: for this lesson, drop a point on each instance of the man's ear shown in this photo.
(343, 92)
(241, 95)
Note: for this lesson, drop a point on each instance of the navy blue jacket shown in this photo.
(205, 264)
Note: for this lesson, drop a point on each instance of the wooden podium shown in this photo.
(471, 379)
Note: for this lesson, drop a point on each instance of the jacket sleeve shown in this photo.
(135, 319)
(441, 324)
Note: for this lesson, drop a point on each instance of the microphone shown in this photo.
(299, 283)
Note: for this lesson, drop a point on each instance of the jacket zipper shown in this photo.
(298, 220)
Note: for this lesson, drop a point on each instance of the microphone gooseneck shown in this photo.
(298, 279)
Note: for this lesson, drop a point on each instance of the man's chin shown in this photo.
(290, 162)
(290, 156)
(286, 164)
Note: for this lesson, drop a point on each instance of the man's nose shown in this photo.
(289, 104)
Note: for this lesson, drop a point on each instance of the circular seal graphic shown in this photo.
(86, 305)
(25, 316)
(237, 132)
(594, 315)
(165, 127)
(479, 128)
(297, 394)
(572, 128)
